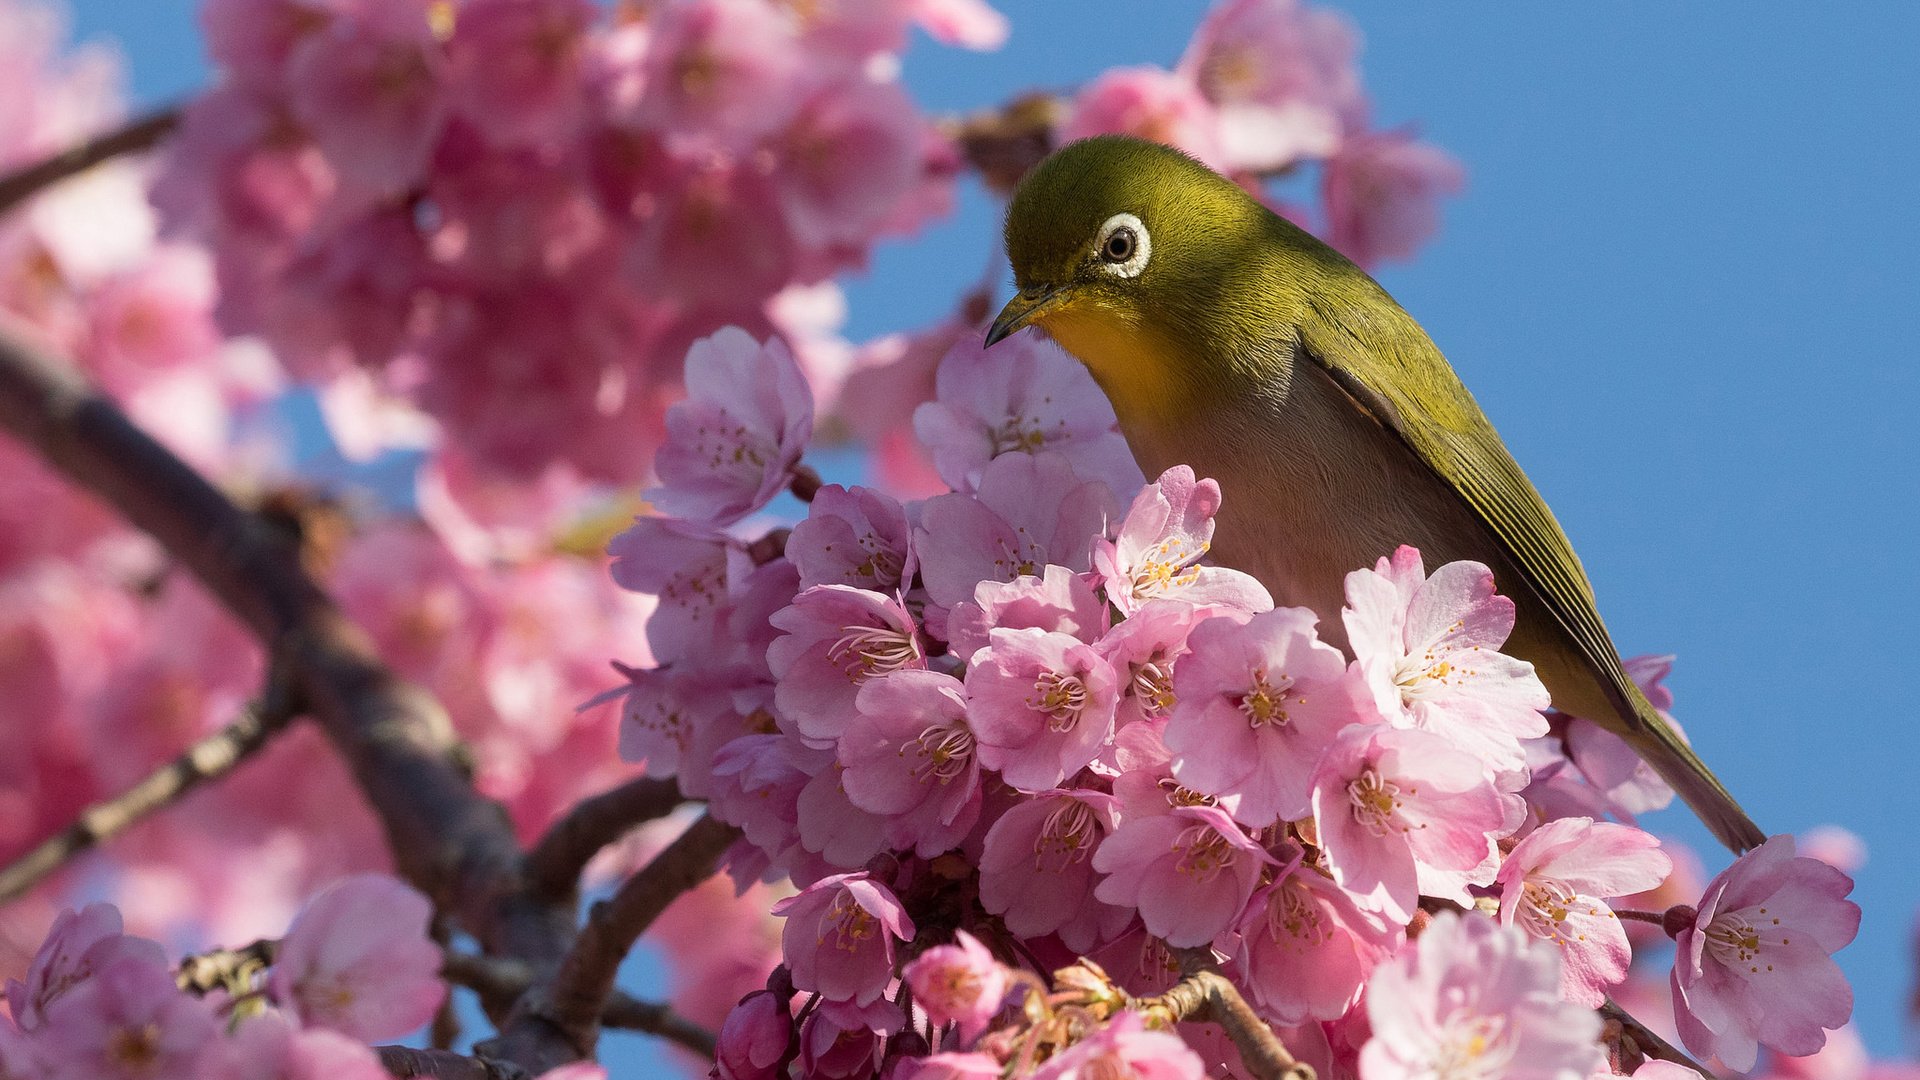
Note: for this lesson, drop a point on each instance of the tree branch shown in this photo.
(1649, 1043)
(211, 757)
(500, 982)
(561, 855)
(405, 1062)
(568, 1006)
(140, 133)
(451, 843)
(1205, 994)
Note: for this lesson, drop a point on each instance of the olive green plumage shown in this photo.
(1233, 341)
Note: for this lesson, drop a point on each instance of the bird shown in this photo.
(1232, 341)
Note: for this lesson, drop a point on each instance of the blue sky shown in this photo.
(1681, 281)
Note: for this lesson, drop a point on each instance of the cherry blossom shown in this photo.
(1281, 75)
(732, 444)
(358, 960)
(1036, 871)
(1189, 872)
(1152, 103)
(1042, 705)
(853, 536)
(1122, 1047)
(758, 1033)
(1382, 191)
(1029, 511)
(839, 937)
(958, 984)
(908, 755)
(1306, 949)
(1156, 552)
(836, 639)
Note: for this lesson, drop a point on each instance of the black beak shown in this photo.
(1026, 306)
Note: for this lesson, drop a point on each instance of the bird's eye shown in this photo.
(1124, 247)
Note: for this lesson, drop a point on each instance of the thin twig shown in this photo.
(557, 860)
(569, 1005)
(211, 757)
(404, 1062)
(1650, 1043)
(500, 983)
(1205, 994)
(140, 133)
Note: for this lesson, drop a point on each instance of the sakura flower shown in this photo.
(1282, 76)
(1189, 872)
(1157, 550)
(839, 937)
(839, 834)
(951, 1066)
(836, 638)
(514, 68)
(128, 1022)
(733, 444)
(369, 89)
(1255, 703)
(1306, 950)
(1151, 103)
(79, 944)
(1028, 511)
(358, 960)
(1042, 705)
(690, 569)
(959, 984)
(1382, 191)
(1552, 882)
(757, 780)
(1428, 649)
(842, 1040)
(757, 1034)
(909, 757)
(1124, 1047)
(1058, 599)
(853, 536)
(972, 24)
(1403, 813)
(719, 75)
(1616, 770)
(1024, 396)
(1036, 871)
(1754, 965)
(848, 156)
(1472, 998)
(1143, 649)
(673, 720)
(268, 1046)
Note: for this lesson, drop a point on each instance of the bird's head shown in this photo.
(1140, 261)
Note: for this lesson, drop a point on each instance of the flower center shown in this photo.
(1429, 671)
(1292, 914)
(137, 1048)
(1475, 1049)
(864, 652)
(1265, 704)
(1183, 796)
(1166, 567)
(945, 752)
(1544, 904)
(1375, 799)
(1019, 433)
(1060, 696)
(1203, 853)
(847, 923)
(1153, 688)
(1066, 837)
(1733, 941)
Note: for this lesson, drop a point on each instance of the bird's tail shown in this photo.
(1661, 746)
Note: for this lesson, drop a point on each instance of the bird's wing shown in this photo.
(1375, 354)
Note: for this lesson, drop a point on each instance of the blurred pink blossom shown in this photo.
(358, 960)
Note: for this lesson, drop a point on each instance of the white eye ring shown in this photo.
(1130, 262)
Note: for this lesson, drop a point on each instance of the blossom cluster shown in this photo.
(516, 213)
(355, 967)
(1026, 716)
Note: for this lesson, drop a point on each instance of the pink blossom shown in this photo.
(152, 319)
(1552, 884)
(1036, 871)
(959, 984)
(1189, 872)
(909, 757)
(1042, 705)
(733, 444)
(1255, 703)
(1156, 552)
(848, 157)
(719, 74)
(757, 780)
(1428, 649)
(514, 68)
(252, 39)
(673, 721)
(1282, 76)
(839, 937)
(1306, 950)
(358, 960)
(1382, 191)
(1474, 998)
(690, 569)
(1143, 649)
(351, 295)
(1058, 599)
(1028, 511)
(838, 834)
(853, 536)
(1838, 847)
(1755, 963)
(757, 1035)
(714, 237)
(842, 1040)
(1024, 396)
(268, 1046)
(951, 1066)
(1151, 103)
(79, 945)
(837, 638)
(128, 1022)
(973, 24)
(368, 88)
(1616, 770)
(1403, 813)
(1124, 1047)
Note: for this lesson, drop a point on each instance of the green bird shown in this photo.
(1230, 340)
